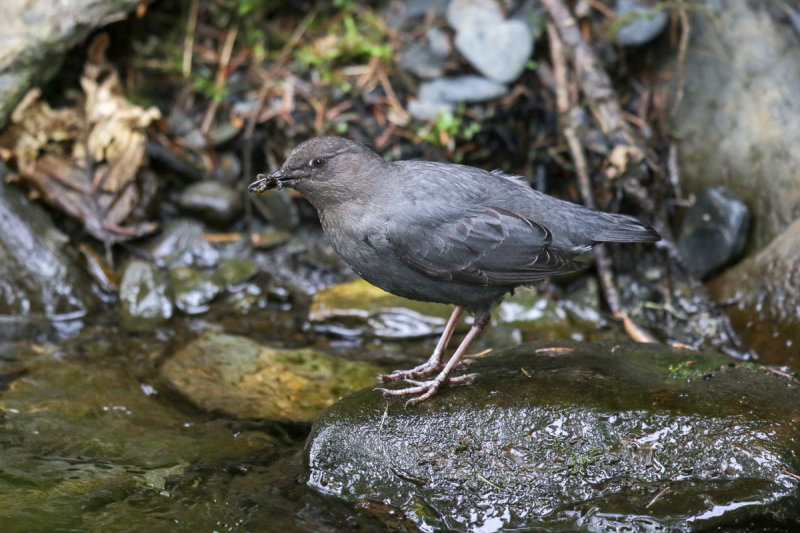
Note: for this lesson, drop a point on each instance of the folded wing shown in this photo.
(489, 246)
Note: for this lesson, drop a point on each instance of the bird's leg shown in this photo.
(434, 363)
(426, 389)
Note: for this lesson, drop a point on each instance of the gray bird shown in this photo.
(443, 233)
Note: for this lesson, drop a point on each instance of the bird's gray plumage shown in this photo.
(443, 232)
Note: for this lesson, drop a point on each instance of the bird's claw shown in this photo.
(425, 369)
(426, 389)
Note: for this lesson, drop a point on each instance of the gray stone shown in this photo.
(39, 282)
(192, 290)
(458, 89)
(424, 110)
(462, 13)
(714, 231)
(181, 242)
(427, 58)
(439, 42)
(406, 12)
(497, 49)
(441, 95)
(35, 34)
(278, 208)
(645, 24)
(419, 59)
(569, 436)
(212, 201)
(144, 302)
(738, 123)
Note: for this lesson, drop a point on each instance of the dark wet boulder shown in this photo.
(181, 243)
(212, 200)
(40, 283)
(278, 208)
(762, 294)
(714, 231)
(574, 436)
(193, 290)
(144, 299)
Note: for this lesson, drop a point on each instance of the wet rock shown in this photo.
(714, 231)
(144, 301)
(35, 34)
(743, 68)
(427, 59)
(442, 94)
(536, 316)
(278, 208)
(270, 238)
(496, 47)
(234, 271)
(76, 434)
(645, 22)
(228, 169)
(192, 290)
(357, 308)
(573, 436)
(305, 263)
(181, 243)
(212, 201)
(37, 277)
(763, 299)
(243, 378)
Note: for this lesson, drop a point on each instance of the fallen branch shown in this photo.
(605, 266)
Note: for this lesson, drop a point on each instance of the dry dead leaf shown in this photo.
(83, 159)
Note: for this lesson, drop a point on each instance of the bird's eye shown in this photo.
(317, 162)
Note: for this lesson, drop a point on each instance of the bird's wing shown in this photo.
(489, 246)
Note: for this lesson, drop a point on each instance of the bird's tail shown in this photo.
(623, 228)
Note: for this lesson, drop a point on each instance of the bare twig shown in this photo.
(188, 41)
(604, 263)
(222, 75)
(593, 80)
(790, 474)
(682, 47)
(657, 496)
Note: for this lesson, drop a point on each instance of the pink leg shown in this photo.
(434, 363)
(426, 389)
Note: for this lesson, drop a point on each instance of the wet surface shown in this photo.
(94, 439)
(144, 395)
(563, 435)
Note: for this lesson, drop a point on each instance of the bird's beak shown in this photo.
(263, 182)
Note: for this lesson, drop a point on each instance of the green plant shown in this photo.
(448, 128)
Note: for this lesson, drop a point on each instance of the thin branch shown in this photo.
(188, 41)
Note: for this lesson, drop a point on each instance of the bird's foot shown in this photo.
(421, 371)
(426, 389)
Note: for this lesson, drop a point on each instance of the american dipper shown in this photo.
(444, 233)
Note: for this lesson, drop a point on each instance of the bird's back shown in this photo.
(448, 189)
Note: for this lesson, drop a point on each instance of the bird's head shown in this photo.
(323, 169)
